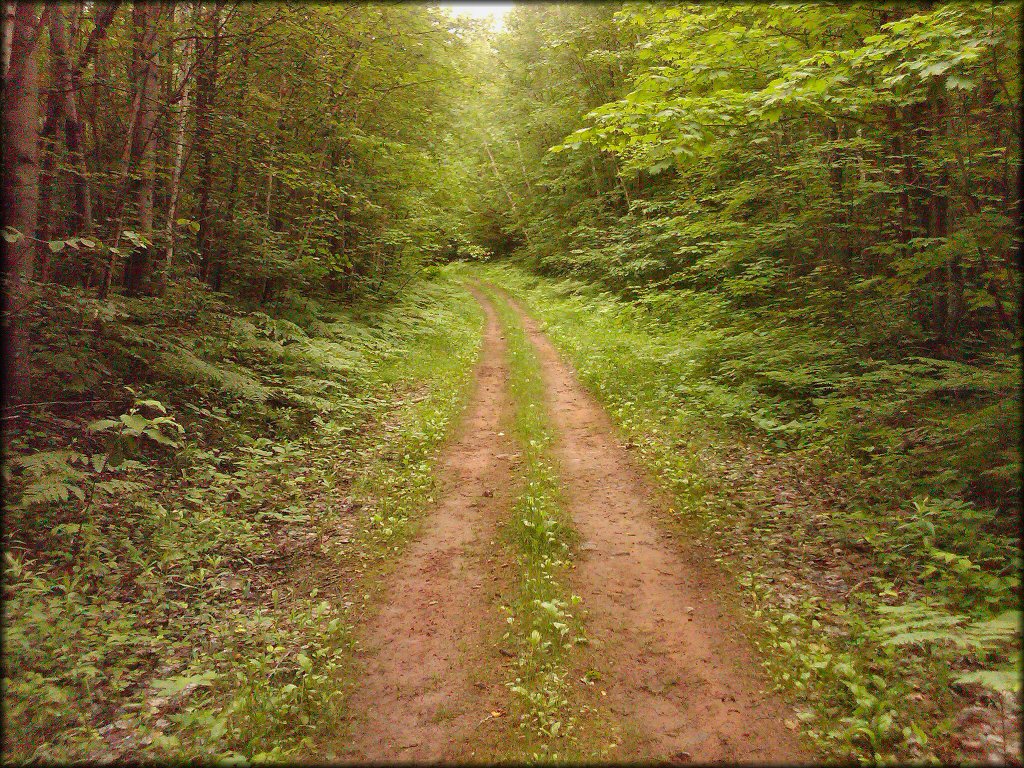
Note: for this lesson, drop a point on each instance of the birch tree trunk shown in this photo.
(181, 83)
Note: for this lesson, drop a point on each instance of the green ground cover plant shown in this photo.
(159, 594)
(544, 618)
(885, 614)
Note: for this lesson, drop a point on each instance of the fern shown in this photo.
(117, 487)
(51, 488)
(51, 477)
(48, 461)
(185, 364)
(920, 623)
(996, 679)
(278, 328)
(1003, 627)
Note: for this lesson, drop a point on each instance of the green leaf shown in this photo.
(936, 69)
(102, 425)
(955, 82)
(173, 685)
(156, 435)
(135, 422)
(658, 167)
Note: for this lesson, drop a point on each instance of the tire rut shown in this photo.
(419, 698)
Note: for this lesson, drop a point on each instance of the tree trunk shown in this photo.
(206, 87)
(65, 89)
(7, 35)
(181, 82)
(275, 217)
(232, 248)
(20, 126)
(127, 185)
(139, 268)
(103, 16)
(44, 213)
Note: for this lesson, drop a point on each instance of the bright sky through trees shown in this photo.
(495, 12)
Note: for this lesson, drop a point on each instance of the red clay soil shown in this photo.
(669, 654)
(679, 675)
(421, 697)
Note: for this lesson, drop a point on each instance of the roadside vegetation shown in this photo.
(183, 564)
(890, 615)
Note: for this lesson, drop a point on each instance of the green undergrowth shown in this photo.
(195, 509)
(883, 612)
(544, 622)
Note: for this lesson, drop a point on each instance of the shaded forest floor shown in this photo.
(278, 544)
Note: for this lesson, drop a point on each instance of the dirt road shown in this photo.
(431, 664)
(676, 670)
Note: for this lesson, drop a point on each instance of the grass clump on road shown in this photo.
(543, 619)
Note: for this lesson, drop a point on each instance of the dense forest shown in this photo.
(254, 254)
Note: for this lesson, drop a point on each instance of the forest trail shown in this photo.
(675, 669)
(669, 656)
(430, 663)
(276, 488)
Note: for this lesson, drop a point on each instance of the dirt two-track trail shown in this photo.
(677, 673)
